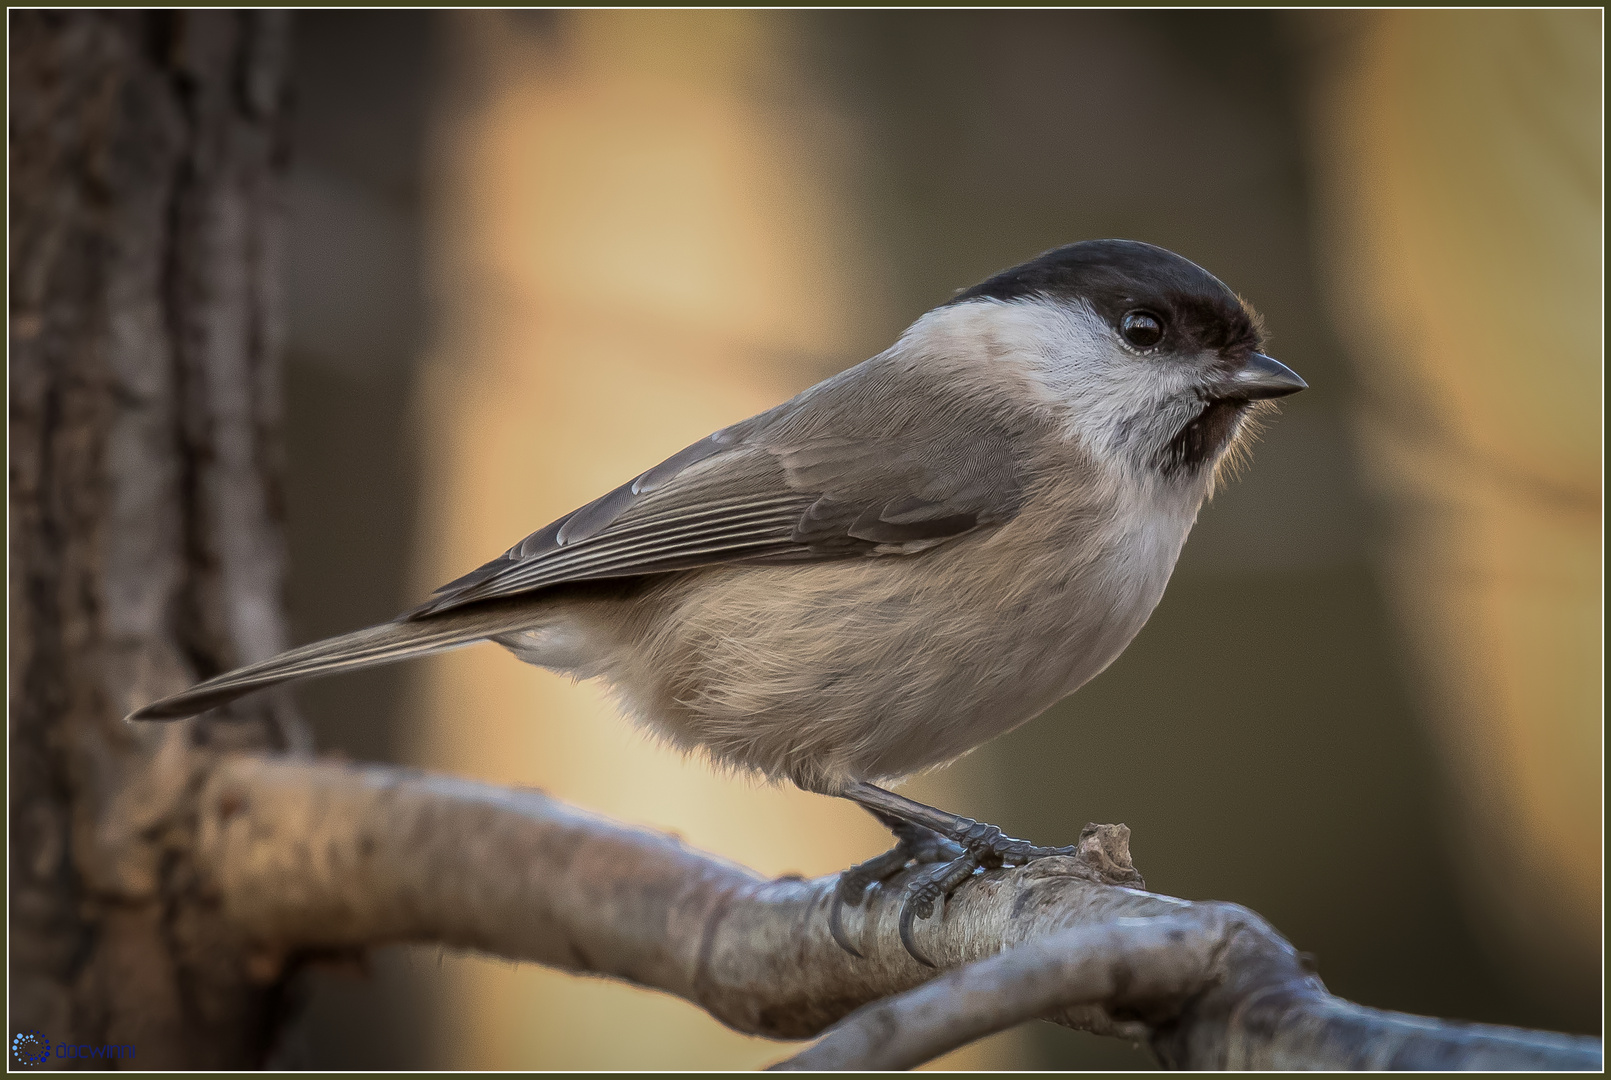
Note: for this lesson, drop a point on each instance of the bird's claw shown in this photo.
(927, 886)
(852, 888)
(946, 863)
(912, 844)
(837, 929)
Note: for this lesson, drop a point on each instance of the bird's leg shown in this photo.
(956, 845)
(913, 844)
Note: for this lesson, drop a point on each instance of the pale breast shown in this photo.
(877, 668)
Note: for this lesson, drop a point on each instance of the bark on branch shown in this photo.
(316, 856)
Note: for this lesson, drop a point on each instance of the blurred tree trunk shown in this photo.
(146, 153)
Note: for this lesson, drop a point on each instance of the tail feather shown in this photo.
(369, 647)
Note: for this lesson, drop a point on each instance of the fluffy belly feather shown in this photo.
(867, 669)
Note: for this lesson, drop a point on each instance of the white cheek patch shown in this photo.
(1119, 406)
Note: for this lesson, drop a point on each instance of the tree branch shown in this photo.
(316, 856)
(1142, 961)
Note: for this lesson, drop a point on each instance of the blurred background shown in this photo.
(530, 254)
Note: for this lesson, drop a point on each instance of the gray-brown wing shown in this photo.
(814, 479)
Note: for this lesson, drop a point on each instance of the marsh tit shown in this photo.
(902, 562)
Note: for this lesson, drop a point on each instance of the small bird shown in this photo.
(904, 561)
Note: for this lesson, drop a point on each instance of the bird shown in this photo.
(900, 563)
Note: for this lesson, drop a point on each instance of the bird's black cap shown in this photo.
(1119, 276)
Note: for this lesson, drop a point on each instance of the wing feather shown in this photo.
(848, 469)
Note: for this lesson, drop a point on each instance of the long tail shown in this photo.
(383, 644)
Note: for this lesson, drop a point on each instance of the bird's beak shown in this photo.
(1260, 377)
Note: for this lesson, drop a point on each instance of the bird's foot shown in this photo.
(951, 849)
(982, 846)
(913, 844)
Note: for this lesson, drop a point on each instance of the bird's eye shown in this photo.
(1142, 329)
